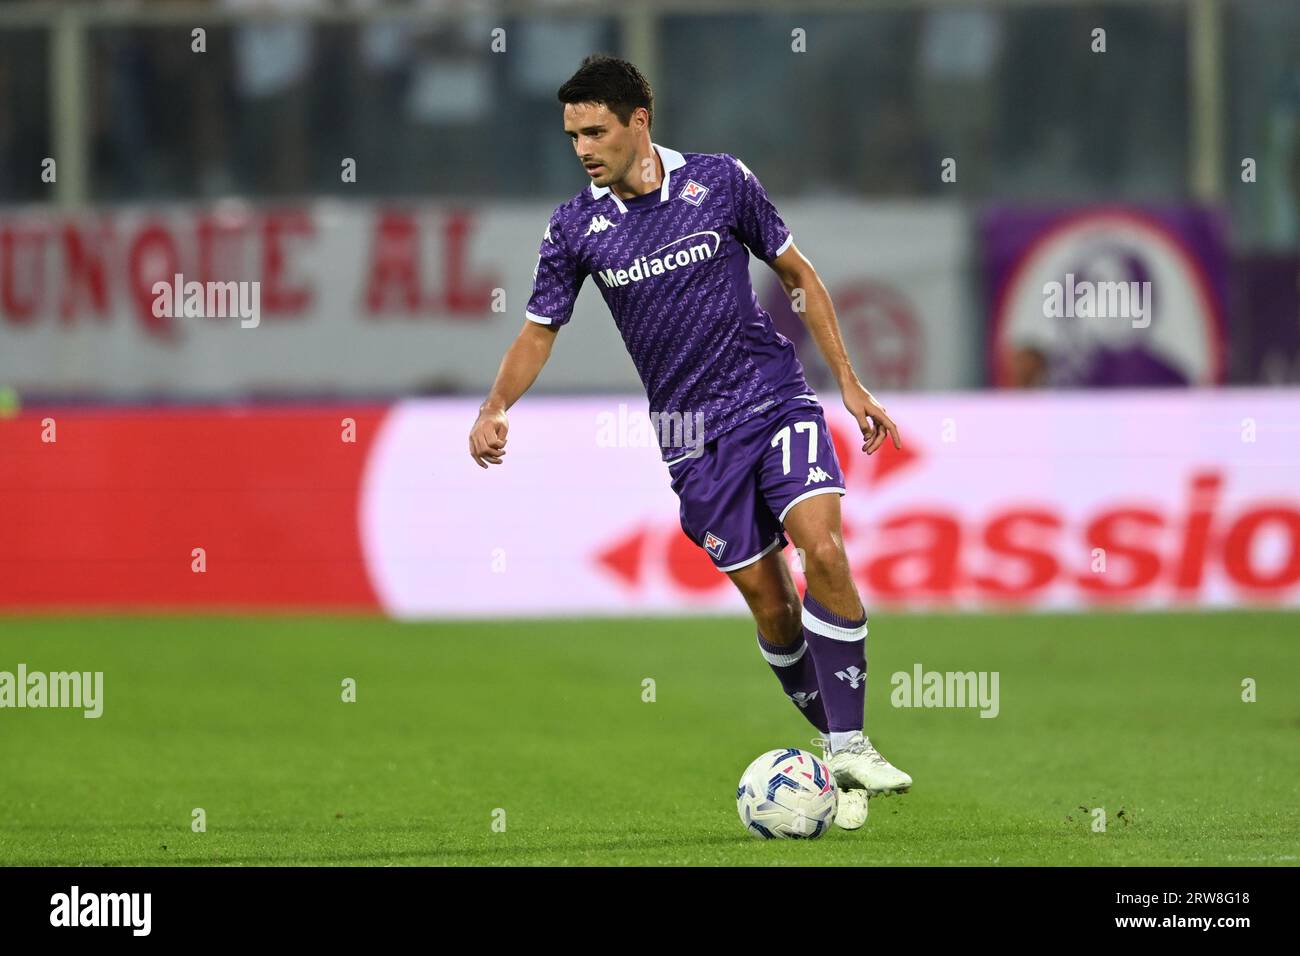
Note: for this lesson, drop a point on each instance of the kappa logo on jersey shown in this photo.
(815, 474)
(599, 224)
(854, 676)
(546, 237)
(693, 192)
(714, 545)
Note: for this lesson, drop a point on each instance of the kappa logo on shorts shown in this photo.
(815, 474)
(714, 545)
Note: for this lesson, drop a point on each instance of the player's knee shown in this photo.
(825, 556)
(779, 618)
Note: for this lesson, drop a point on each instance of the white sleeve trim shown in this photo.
(539, 319)
(785, 245)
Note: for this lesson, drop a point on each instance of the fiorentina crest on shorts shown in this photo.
(693, 192)
(714, 545)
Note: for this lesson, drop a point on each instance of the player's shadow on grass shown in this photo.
(487, 853)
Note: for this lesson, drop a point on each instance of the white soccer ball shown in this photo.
(786, 795)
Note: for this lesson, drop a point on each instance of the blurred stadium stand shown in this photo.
(414, 92)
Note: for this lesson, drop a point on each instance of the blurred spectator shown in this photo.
(381, 76)
(273, 58)
(24, 120)
(450, 100)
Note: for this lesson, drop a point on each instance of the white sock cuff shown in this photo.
(783, 660)
(833, 631)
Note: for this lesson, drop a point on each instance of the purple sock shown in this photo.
(838, 647)
(794, 668)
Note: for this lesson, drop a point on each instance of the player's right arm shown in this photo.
(556, 281)
(519, 369)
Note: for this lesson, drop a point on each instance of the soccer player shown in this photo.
(667, 237)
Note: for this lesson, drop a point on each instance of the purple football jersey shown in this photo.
(673, 267)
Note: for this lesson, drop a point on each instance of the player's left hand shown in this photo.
(871, 418)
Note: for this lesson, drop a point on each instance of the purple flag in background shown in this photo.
(1104, 296)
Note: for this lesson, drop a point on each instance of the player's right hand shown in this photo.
(487, 439)
(875, 424)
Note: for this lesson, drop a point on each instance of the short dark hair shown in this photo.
(613, 82)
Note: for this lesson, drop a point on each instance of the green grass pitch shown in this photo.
(243, 717)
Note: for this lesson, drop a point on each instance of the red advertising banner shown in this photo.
(1034, 501)
(184, 509)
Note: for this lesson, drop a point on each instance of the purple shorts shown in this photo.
(736, 493)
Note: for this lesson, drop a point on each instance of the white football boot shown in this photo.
(859, 766)
(850, 809)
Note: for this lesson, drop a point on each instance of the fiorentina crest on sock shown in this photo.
(852, 675)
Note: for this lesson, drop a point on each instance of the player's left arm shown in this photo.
(797, 275)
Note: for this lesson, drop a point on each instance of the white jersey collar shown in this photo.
(671, 160)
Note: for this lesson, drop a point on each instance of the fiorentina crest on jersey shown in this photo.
(693, 192)
(714, 545)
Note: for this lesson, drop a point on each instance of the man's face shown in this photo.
(605, 147)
